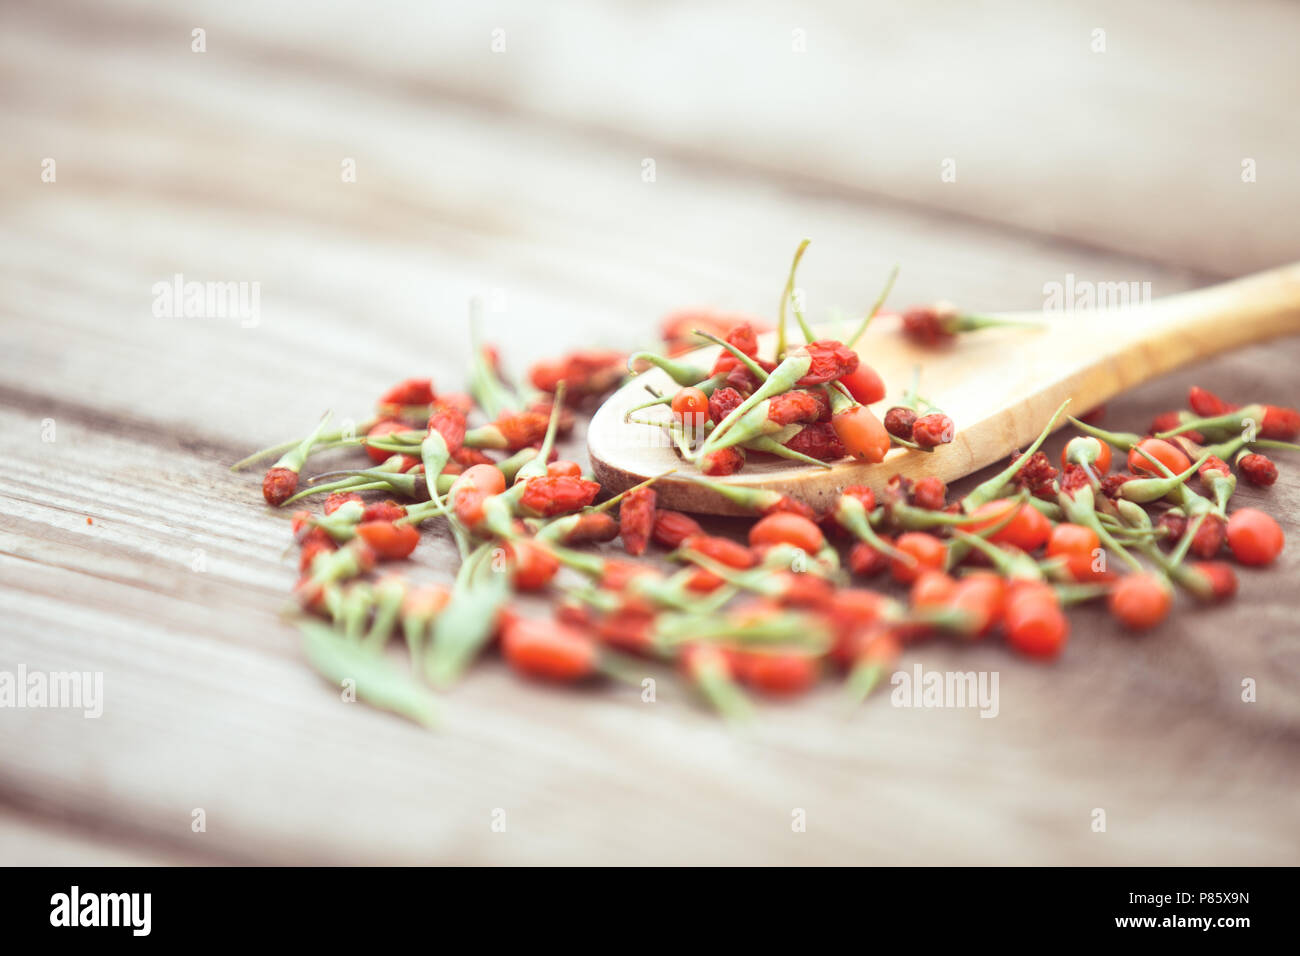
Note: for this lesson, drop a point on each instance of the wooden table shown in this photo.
(521, 175)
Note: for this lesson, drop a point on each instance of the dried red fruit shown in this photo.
(1111, 484)
(338, 499)
(636, 518)
(585, 373)
(930, 493)
(1174, 523)
(722, 402)
(380, 429)
(448, 420)
(1073, 478)
(468, 458)
(1037, 474)
(929, 431)
(547, 497)
(383, 511)
(592, 527)
(279, 485)
(790, 408)
(1206, 404)
(413, 391)
(1279, 424)
(865, 561)
(818, 440)
(1209, 538)
(521, 429)
(725, 461)
(925, 325)
(863, 494)
(723, 550)
(671, 528)
(899, 421)
(830, 360)
(1257, 469)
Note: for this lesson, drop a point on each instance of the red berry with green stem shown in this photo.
(1140, 600)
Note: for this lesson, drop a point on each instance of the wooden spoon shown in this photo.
(999, 386)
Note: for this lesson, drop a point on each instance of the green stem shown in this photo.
(875, 308)
(785, 298)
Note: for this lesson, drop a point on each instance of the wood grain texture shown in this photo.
(225, 166)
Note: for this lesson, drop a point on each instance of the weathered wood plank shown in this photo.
(1048, 135)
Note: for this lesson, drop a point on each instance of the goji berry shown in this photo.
(861, 433)
(548, 649)
(448, 420)
(1168, 455)
(564, 468)
(592, 526)
(636, 517)
(1111, 484)
(899, 421)
(930, 493)
(279, 485)
(547, 497)
(1257, 469)
(830, 360)
(797, 407)
(338, 499)
(722, 402)
(930, 431)
(522, 429)
(785, 527)
(388, 540)
(925, 550)
(1254, 537)
(924, 325)
(1037, 474)
(1139, 601)
(533, 565)
(690, 407)
(383, 511)
(777, 672)
(671, 528)
(864, 384)
(724, 461)
(819, 440)
(1206, 404)
(722, 550)
(865, 561)
(1279, 424)
(413, 391)
(379, 430)
(1033, 621)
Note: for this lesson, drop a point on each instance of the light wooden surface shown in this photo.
(521, 172)
(1084, 356)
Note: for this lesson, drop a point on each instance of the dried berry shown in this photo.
(929, 431)
(899, 421)
(1257, 469)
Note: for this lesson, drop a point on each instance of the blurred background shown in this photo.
(588, 167)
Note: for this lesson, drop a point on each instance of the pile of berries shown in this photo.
(778, 611)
